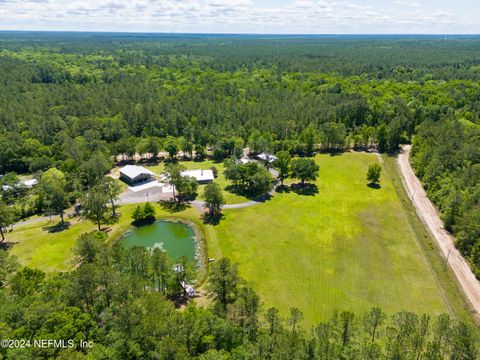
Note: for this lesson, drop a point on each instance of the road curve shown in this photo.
(198, 204)
(429, 215)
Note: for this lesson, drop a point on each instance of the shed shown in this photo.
(133, 174)
(202, 176)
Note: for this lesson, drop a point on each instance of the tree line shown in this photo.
(124, 301)
(446, 157)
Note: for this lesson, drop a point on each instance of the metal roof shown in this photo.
(199, 175)
(133, 171)
(267, 157)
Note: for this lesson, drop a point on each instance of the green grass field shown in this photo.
(347, 247)
(34, 246)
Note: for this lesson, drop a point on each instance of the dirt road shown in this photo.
(430, 216)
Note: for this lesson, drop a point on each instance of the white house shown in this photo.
(269, 158)
(133, 174)
(202, 176)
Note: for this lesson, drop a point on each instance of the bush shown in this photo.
(138, 214)
(373, 174)
(148, 211)
(144, 213)
(214, 170)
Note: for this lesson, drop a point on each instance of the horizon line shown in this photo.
(233, 33)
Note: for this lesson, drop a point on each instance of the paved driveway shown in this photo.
(152, 194)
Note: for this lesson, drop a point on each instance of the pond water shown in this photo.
(176, 238)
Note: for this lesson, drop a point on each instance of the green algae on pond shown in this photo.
(176, 238)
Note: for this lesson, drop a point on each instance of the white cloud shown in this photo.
(411, 3)
(297, 16)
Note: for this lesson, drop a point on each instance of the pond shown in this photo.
(176, 238)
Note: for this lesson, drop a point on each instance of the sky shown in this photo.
(245, 16)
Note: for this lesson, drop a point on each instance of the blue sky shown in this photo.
(245, 16)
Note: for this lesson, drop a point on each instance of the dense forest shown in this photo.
(118, 301)
(70, 100)
(101, 94)
(446, 155)
(71, 105)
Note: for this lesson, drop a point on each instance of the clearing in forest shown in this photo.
(345, 245)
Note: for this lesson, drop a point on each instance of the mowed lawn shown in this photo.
(347, 247)
(36, 247)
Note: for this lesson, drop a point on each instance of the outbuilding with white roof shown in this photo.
(133, 174)
(202, 176)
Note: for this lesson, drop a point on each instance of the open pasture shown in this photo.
(344, 246)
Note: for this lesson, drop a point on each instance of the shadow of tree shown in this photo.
(178, 300)
(148, 221)
(212, 219)
(57, 227)
(374, 186)
(167, 160)
(6, 245)
(173, 206)
(152, 161)
(263, 198)
(238, 190)
(336, 152)
(305, 189)
(283, 189)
